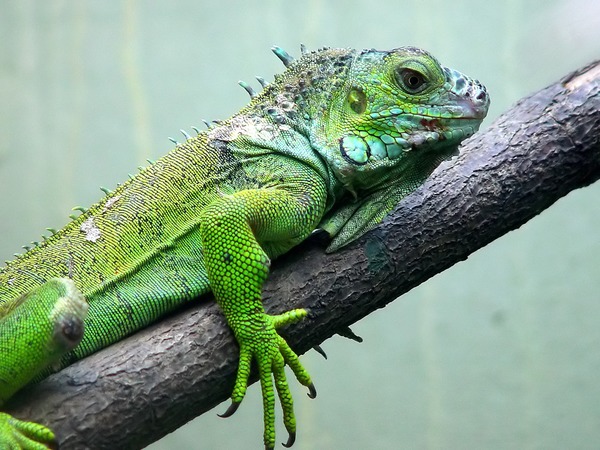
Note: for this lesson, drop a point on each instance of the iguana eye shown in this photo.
(410, 80)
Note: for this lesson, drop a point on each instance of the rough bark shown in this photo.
(136, 391)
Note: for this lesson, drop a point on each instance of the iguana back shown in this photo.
(134, 244)
(136, 254)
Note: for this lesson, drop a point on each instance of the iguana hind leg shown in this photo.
(17, 434)
(35, 332)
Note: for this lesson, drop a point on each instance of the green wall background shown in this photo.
(502, 351)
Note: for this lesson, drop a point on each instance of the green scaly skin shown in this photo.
(334, 142)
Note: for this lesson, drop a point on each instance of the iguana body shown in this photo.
(336, 142)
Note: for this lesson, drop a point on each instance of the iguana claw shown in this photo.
(231, 410)
(290, 441)
(312, 391)
(320, 351)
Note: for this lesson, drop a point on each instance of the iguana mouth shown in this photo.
(432, 134)
(471, 106)
(371, 147)
(414, 131)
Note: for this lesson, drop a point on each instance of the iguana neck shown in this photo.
(302, 95)
(286, 117)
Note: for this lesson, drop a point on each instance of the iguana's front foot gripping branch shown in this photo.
(261, 342)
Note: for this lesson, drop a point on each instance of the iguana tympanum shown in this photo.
(334, 143)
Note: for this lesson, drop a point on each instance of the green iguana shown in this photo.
(334, 143)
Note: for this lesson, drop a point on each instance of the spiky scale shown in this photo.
(303, 49)
(262, 81)
(185, 135)
(79, 208)
(150, 161)
(284, 56)
(251, 92)
(196, 130)
(105, 190)
(173, 141)
(206, 123)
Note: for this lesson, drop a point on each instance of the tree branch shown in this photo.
(138, 390)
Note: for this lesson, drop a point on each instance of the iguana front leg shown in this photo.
(240, 233)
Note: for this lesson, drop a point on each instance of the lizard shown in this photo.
(332, 143)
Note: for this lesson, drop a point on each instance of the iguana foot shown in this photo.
(17, 434)
(258, 339)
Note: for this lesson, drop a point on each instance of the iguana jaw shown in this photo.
(412, 133)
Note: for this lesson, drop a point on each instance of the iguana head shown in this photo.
(393, 116)
(381, 120)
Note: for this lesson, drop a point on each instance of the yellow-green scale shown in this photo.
(135, 254)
